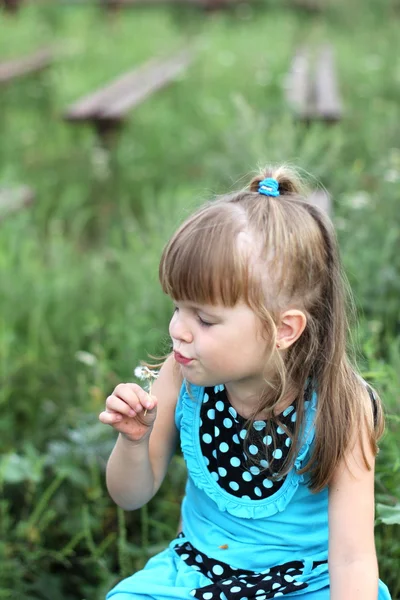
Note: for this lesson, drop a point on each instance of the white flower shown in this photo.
(146, 374)
(139, 372)
(86, 358)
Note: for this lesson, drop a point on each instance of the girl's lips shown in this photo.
(182, 359)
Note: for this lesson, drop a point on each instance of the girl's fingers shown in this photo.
(135, 396)
(115, 404)
(110, 418)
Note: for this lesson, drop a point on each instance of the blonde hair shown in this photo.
(227, 251)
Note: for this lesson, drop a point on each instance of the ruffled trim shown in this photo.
(189, 424)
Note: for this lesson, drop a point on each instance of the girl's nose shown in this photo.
(179, 329)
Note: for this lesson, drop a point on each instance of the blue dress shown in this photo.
(247, 535)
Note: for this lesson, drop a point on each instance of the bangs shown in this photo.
(203, 262)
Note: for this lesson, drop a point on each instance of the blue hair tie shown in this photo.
(269, 187)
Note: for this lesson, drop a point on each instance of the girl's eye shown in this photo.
(204, 323)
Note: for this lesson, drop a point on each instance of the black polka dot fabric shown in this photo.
(234, 584)
(222, 434)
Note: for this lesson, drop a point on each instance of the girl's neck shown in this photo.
(246, 401)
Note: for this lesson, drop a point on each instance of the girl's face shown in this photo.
(218, 345)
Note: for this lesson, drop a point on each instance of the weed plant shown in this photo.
(80, 303)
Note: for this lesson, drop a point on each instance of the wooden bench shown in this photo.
(21, 67)
(312, 89)
(10, 6)
(14, 199)
(106, 108)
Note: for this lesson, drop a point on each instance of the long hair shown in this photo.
(275, 253)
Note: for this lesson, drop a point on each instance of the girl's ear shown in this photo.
(291, 326)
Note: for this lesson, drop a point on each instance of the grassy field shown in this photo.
(80, 303)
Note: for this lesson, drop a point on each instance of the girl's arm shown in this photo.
(136, 469)
(352, 560)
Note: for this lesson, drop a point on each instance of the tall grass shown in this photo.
(80, 304)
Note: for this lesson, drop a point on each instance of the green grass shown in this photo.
(79, 268)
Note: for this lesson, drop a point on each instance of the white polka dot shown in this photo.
(255, 470)
(233, 485)
(220, 406)
(278, 595)
(235, 439)
(287, 411)
(257, 491)
(211, 413)
(223, 472)
(215, 475)
(207, 439)
(267, 483)
(228, 423)
(253, 449)
(199, 558)
(235, 589)
(232, 412)
(217, 569)
(214, 453)
(264, 464)
(246, 498)
(201, 422)
(195, 567)
(288, 578)
(193, 592)
(243, 434)
(260, 592)
(294, 417)
(224, 447)
(208, 595)
(277, 453)
(280, 430)
(235, 462)
(216, 431)
(247, 476)
(206, 398)
(259, 425)
(267, 440)
(206, 460)
(288, 441)
(226, 582)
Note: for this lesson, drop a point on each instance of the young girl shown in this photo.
(278, 431)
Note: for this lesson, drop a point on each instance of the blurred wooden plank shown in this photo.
(328, 105)
(312, 89)
(106, 107)
(20, 67)
(298, 85)
(14, 199)
(321, 198)
(10, 6)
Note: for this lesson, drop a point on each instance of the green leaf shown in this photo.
(389, 515)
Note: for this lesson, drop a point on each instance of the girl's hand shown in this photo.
(131, 411)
